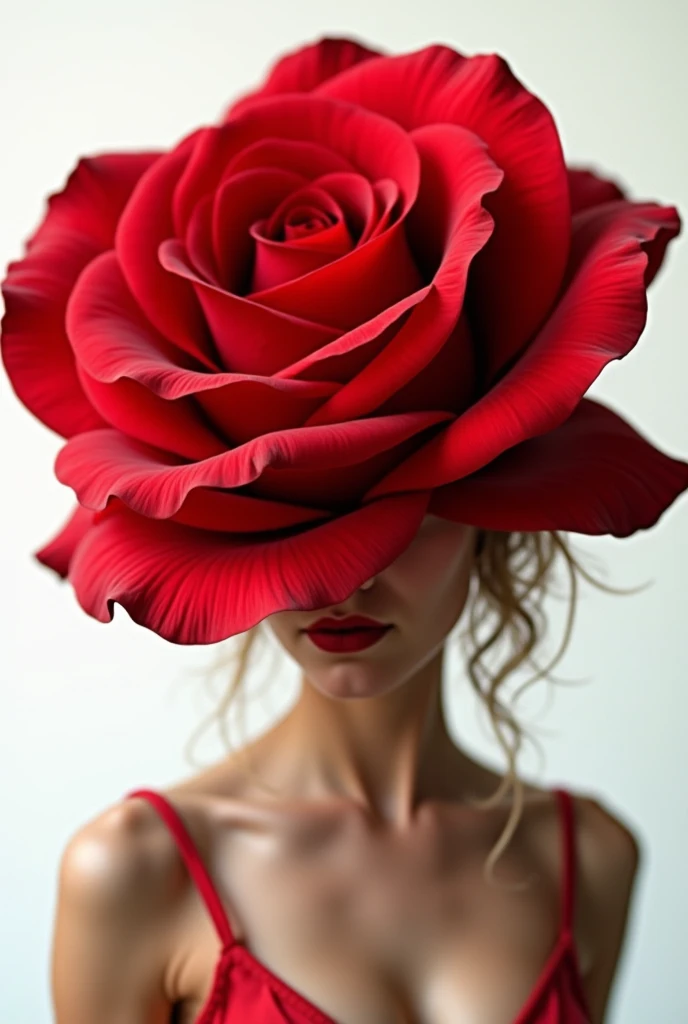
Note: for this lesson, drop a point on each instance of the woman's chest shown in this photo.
(372, 933)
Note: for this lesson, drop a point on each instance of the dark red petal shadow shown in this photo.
(212, 509)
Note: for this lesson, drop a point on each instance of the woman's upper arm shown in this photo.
(109, 952)
(610, 855)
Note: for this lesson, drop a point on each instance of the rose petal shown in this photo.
(309, 159)
(357, 198)
(218, 241)
(246, 407)
(311, 198)
(173, 426)
(57, 553)
(352, 289)
(107, 328)
(112, 340)
(195, 587)
(593, 474)
(92, 200)
(599, 318)
(79, 223)
(457, 172)
(349, 353)
(276, 338)
(402, 87)
(305, 464)
(280, 260)
(587, 188)
(198, 242)
(526, 255)
(447, 382)
(375, 146)
(101, 323)
(304, 68)
(225, 510)
(247, 197)
(169, 303)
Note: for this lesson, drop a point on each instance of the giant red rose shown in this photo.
(373, 291)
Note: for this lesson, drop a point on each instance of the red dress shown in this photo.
(245, 991)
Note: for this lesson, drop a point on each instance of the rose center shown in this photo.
(304, 220)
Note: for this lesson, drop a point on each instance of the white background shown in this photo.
(90, 710)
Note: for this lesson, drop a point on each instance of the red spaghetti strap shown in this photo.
(569, 859)
(192, 860)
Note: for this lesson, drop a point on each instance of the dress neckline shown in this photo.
(237, 951)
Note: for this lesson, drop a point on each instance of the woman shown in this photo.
(327, 358)
(349, 859)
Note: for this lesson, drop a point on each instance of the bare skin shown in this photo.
(359, 880)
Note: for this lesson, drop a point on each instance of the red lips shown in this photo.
(350, 622)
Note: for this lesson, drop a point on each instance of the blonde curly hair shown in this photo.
(513, 573)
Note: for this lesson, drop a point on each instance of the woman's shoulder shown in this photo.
(604, 836)
(126, 855)
(607, 857)
(124, 868)
(607, 842)
(124, 863)
(607, 847)
(113, 912)
(117, 854)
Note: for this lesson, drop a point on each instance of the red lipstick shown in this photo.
(349, 622)
(353, 633)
